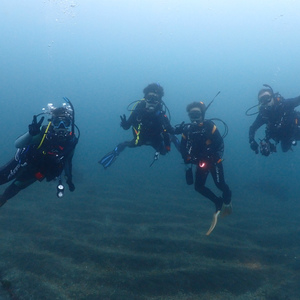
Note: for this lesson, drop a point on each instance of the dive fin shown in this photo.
(108, 159)
(213, 223)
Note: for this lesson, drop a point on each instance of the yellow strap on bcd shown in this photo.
(138, 131)
(45, 133)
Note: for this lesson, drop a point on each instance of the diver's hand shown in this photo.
(254, 146)
(71, 185)
(123, 123)
(34, 127)
(179, 128)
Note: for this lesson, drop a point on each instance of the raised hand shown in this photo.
(34, 127)
(123, 123)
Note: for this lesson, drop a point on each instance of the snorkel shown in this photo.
(269, 87)
(213, 99)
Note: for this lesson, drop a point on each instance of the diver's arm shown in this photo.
(166, 125)
(27, 139)
(214, 143)
(23, 140)
(186, 158)
(126, 124)
(259, 121)
(183, 149)
(68, 171)
(217, 145)
(68, 167)
(292, 102)
(32, 136)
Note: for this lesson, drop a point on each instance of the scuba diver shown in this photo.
(44, 152)
(280, 118)
(150, 126)
(202, 145)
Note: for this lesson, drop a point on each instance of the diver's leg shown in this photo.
(13, 189)
(122, 146)
(201, 176)
(8, 172)
(10, 192)
(217, 173)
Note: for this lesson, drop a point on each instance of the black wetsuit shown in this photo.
(202, 145)
(148, 128)
(43, 159)
(281, 121)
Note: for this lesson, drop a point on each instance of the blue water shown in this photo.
(101, 54)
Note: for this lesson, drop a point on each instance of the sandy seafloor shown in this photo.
(137, 239)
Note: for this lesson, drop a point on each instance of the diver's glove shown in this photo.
(123, 123)
(71, 185)
(34, 127)
(254, 146)
(179, 128)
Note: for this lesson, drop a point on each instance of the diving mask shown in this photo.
(195, 115)
(61, 126)
(61, 123)
(265, 98)
(152, 98)
(152, 101)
